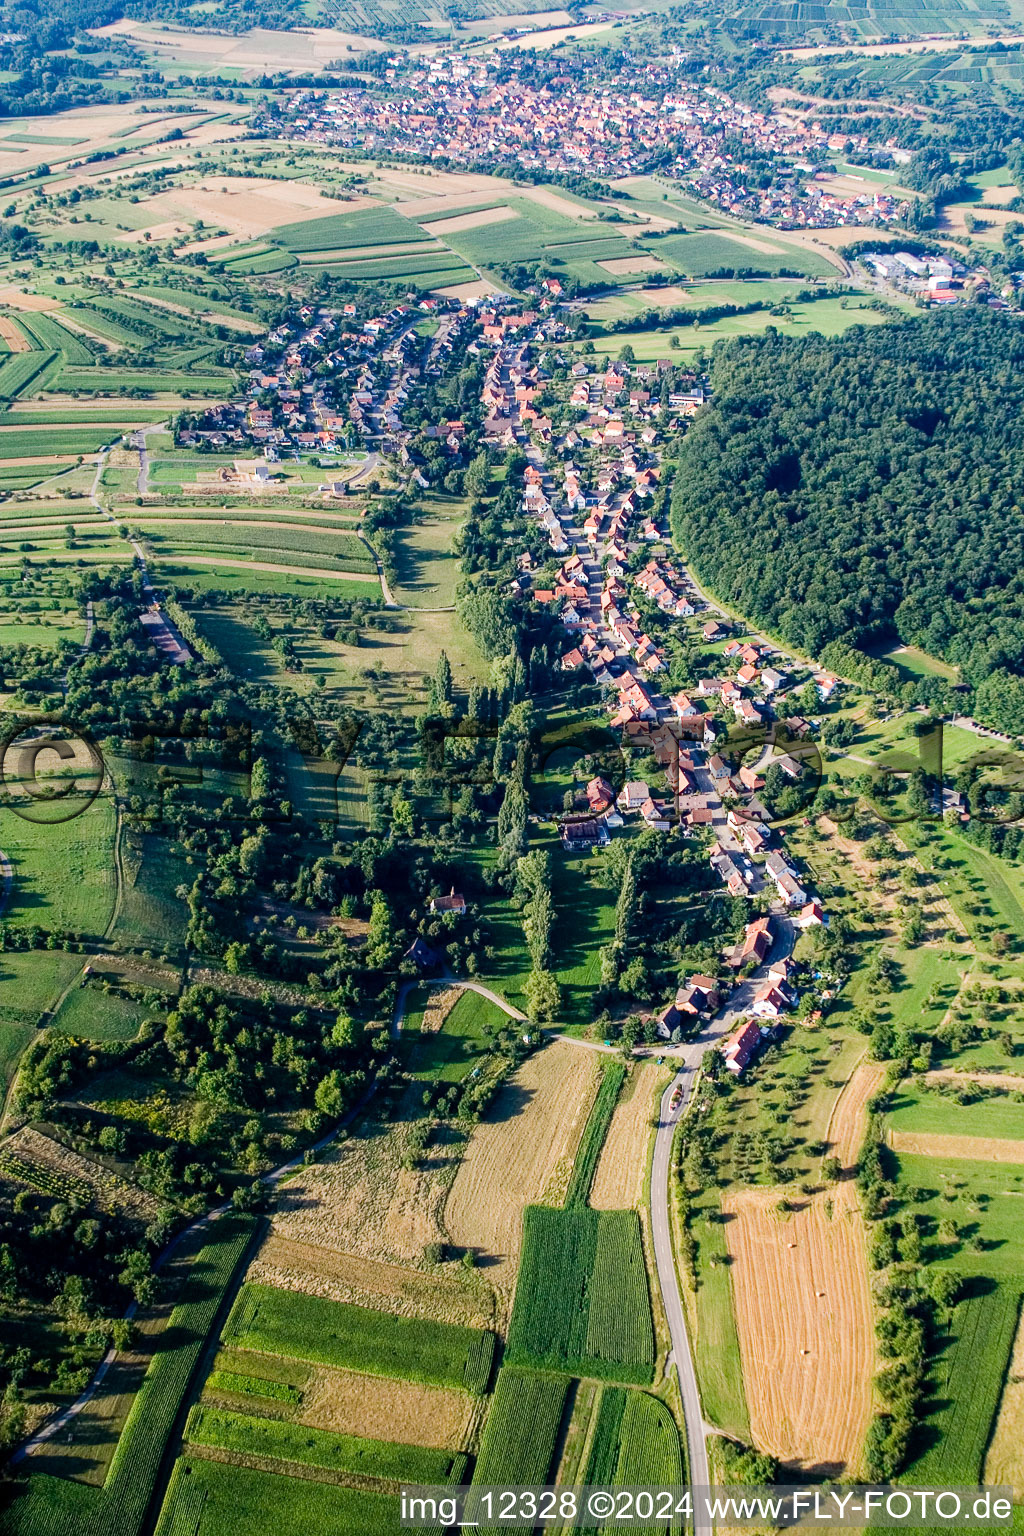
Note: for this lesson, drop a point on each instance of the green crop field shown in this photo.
(281, 538)
(233, 583)
(205, 1498)
(18, 443)
(50, 335)
(594, 1133)
(635, 1442)
(277, 1439)
(147, 381)
(240, 1384)
(967, 1382)
(649, 1450)
(354, 1338)
(260, 266)
(47, 1506)
(21, 370)
(234, 555)
(521, 1432)
(582, 1303)
(341, 231)
(700, 255)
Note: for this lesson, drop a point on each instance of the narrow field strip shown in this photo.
(978, 1149)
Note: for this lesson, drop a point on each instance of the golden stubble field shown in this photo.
(523, 1148)
(803, 1306)
(1004, 1463)
(619, 1176)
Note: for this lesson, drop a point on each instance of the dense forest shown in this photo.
(870, 488)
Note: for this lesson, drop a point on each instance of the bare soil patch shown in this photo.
(17, 298)
(619, 1178)
(481, 289)
(482, 216)
(971, 1149)
(16, 340)
(803, 1307)
(621, 264)
(533, 1127)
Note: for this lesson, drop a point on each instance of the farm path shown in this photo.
(389, 597)
(6, 880)
(691, 1056)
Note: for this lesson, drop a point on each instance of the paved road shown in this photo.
(692, 1054)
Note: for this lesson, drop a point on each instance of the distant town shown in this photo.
(487, 112)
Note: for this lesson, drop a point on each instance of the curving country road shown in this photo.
(681, 1354)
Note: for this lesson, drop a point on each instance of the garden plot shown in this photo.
(48, 1166)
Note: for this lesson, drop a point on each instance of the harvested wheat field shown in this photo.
(1004, 1463)
(970, 1149)
(803, 1307)
(249, 205)
(531, 1133)
(360, 1200)
(370, 1283)
(379, 1409)
(16, 339)
(619, 1178)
